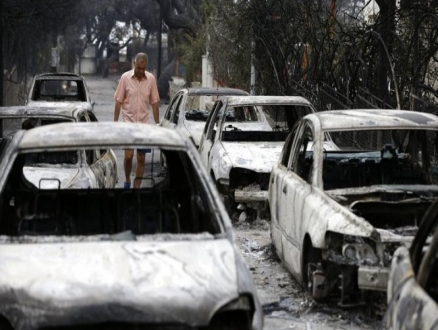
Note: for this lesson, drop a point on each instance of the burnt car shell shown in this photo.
(242, 140)
(353, 205)
(412, 286)
(94, 168)
(67, 90)
(189, 109)
(107, 256)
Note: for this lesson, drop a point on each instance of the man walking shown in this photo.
(137, 90)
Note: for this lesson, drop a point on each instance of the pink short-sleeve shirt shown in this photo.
(136, 96)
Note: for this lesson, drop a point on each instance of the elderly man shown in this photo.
(137, 90)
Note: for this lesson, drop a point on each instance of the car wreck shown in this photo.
(349, 188)
(189, 109)
(59, 89)
(160, 256)
(242, 140)
(413, 284)
(94, 168)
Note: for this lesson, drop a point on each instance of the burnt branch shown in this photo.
(181, 20)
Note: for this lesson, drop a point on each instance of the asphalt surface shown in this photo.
(102, 93)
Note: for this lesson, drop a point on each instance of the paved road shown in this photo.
(102, 93)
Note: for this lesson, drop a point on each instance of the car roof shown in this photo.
(374, 119)
(58, 75)
(108, 134)
(216, 91)
(266, 99)
(39, 111)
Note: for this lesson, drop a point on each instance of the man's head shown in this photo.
(140, 64)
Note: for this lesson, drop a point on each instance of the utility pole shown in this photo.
(159, 39)
(1, 55)
(54, 52)
(253, 73)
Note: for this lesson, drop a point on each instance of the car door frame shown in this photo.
(103, 164)
(276, 193)
(167, 120)
(210, 134)
(9, 154)
(104, 168)
(291, 224)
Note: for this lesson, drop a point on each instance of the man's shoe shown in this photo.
(127, 185)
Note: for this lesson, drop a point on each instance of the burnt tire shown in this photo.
(230, 206)
(311, 256)
(227, 199)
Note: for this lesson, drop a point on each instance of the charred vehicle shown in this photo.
(349, 188)
(158, 257)
(242, 140)
(81, 169)
(413, 283)
(189, 108)
(63, 89)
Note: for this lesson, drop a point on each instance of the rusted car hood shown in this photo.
(50, 177)
(256, 156)
(384, 196)
(131, 281)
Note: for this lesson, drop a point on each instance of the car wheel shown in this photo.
(312, 273)
(266, 212)
(4, 324)
(230, 206)
(234, 320)
(227, 199)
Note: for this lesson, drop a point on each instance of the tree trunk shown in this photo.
(386, 31)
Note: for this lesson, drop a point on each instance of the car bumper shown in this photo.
(373, 278)
(241, 196)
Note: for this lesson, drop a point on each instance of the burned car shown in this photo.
(242, 140)
(348, 189)
(81, 169)
(413, 283)
(189, 108)
(158, 257)
(62, 89)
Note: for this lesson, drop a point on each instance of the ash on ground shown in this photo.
(285, 304)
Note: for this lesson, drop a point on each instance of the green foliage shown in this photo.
(191, 48)
(230, 44)
(31, 29)
(336, 59)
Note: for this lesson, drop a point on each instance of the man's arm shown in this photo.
(156, 112)
(117, 107)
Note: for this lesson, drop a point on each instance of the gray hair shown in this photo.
(141, 56)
